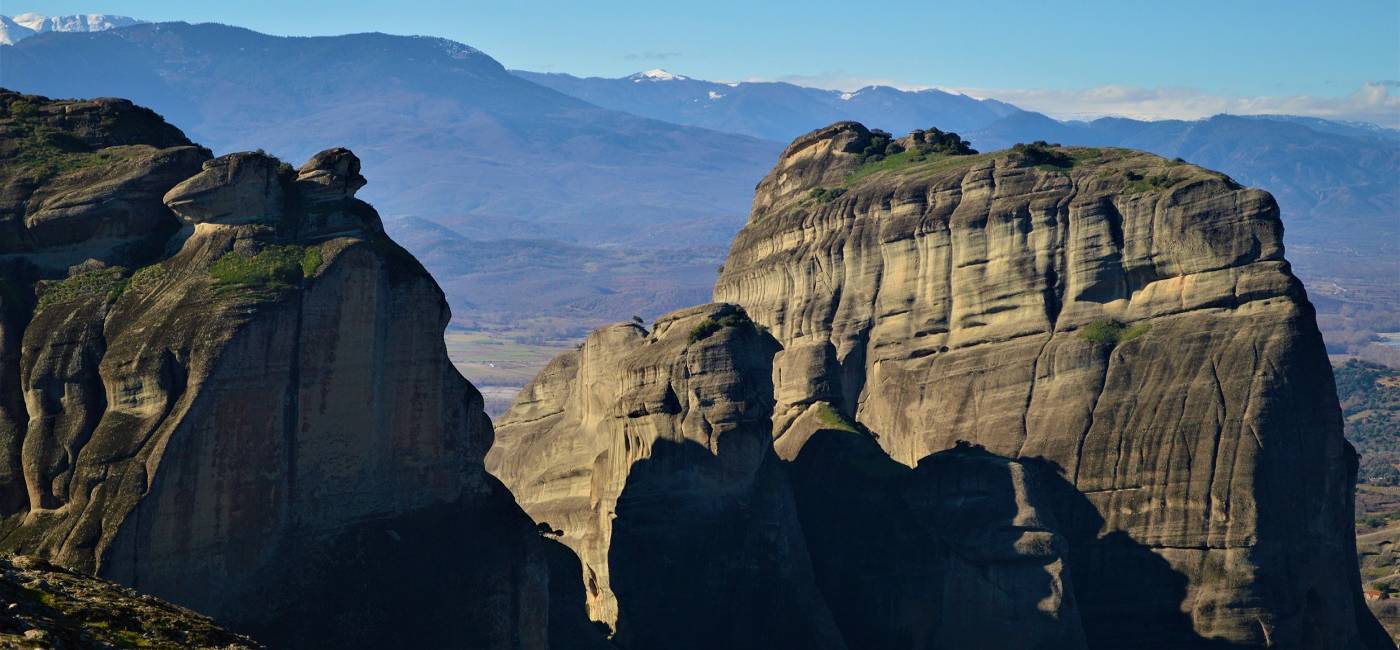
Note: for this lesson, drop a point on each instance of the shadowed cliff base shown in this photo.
(701, 561)
(1019, 562)
(968, 551)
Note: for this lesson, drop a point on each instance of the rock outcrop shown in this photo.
(650, 454)
(1074, 395)
(43, 606)
(1129, 319)
(237, 397)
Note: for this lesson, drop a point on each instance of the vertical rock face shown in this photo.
(1128, 319)
(651, 452)
(255, 418)
(1043, 398)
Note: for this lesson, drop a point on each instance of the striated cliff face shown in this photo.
(227, 387)
(1129, 319)
(1044, 397)
(650, 451)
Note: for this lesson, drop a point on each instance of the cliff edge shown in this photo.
(224, 385)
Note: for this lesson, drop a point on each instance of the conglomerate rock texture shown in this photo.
(1070, 394)
(222, 384)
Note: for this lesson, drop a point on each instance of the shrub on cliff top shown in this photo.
(702, 330)
(934, 141)
(1041, 154)
(879, 146)
(928, 145)
(709, 326)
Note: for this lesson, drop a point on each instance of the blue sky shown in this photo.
(1128, 53)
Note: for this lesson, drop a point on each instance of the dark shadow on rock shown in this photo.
(1128, 596)
(473, 574)
(569, 625)
(924, 558)
(1006, 581)
(974, 550)
(880, 572)
(703, 558)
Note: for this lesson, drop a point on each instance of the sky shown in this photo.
(1184, 58)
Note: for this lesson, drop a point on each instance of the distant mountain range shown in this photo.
(14, 29)
(775, 110)
(1325, 175)
(444, 126)
(1321, 171)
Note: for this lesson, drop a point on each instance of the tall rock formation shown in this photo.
(224, 385)
(650, 451)
(1074, 395)
(651, 454)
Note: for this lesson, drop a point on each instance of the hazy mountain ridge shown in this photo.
(1318, 169)
(774, 110)
(21, 26)
(449, 131)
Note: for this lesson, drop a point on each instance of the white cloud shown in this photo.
(1373, 102)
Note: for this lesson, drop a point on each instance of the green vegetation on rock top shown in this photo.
(107, 283)
(883, 154)
(146, 277)
(1042, 155)
(273, 268)
(705, 328)
(1111, 332)
(1136, 182)
(913, 162)
(311, 261)
(44, 151)
(833, 418)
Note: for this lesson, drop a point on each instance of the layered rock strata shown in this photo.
(238, 398)
(1119, 334)
(1130, 319)
(650, 454)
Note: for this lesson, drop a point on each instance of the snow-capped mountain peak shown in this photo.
(21, 26)
(656, 74)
